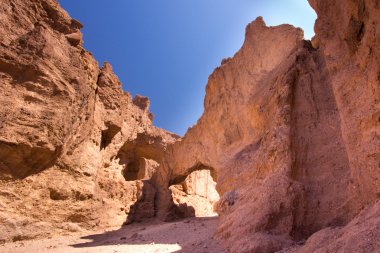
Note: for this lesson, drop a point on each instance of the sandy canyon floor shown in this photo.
(190, 235)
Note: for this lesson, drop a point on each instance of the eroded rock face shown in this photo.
(63, 123)
(291, 132)
(352, 55)
(42, 85)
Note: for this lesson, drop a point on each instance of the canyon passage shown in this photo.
(285, 158)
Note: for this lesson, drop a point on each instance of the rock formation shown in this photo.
(290, 134)
(197, 191)
(69, 134)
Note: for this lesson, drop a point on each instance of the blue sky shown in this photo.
(166, 49)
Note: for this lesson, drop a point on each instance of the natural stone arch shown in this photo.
(193, 193)
(140, 157)
(197, 167)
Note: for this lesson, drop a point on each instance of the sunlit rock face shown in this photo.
(196, 195)
(289, 136)
(66, 125)
(291, 133)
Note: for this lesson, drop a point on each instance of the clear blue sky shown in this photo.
(166, 49)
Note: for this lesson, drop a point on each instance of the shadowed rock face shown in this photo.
(290, 134)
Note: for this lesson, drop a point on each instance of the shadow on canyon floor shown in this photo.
(188, 235)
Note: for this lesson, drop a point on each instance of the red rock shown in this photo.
(290, 134)
(63, 123)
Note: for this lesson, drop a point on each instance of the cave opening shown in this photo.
(108, 134)
(195, 193)
(139, 168)
(131, 166)
(131, 171)
(139, 159)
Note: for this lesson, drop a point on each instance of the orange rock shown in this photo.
(289, 136)
(64, 125)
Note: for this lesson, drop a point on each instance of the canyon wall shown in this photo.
(76, 152)
(289, 135)
(290, 132)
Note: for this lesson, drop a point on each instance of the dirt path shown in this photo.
(193, 235)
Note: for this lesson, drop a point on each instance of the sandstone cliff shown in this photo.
(76, 152)
(290, 134)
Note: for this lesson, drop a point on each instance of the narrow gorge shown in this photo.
(286, 153)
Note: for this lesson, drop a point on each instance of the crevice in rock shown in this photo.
(318, 162)
(144, 207)
(354, 34)
(108, 134)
